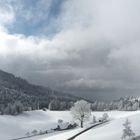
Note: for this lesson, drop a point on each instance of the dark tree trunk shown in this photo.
(82, 120)
(81, 123)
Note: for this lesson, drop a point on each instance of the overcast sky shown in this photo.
(86, 47)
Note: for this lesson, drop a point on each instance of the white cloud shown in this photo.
(6, 15)
(97, 47)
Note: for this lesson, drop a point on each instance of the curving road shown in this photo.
(99, 124)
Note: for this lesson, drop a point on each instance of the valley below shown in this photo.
(12, 127)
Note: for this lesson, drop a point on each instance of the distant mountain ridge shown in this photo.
(14, 89)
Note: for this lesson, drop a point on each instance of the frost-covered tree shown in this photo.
(105, 116)
(81, 111)
(54, 105)
(101, 106)
(127, 131)
(93, 119)
(135, 106)
(94, 105)
(14, 109)
(63, 105)
(121, 104)
(18, 107)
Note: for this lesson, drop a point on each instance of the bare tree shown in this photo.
(81, 111)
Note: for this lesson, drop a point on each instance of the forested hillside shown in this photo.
(18, 93)
(122, 104)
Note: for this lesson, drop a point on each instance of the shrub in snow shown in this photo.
(127, 131)
(100, 119)
(62, 125)
(27, 134)
(81, 111)
(105, 117)
(44, 109)
(60, 121)
(41, 132)
(71, 126)
(50, 131)
(65, 126)
(34, 132)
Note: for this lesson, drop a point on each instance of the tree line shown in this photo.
(13, 102)
(122, 104)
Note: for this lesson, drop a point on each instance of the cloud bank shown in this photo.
(88, 47)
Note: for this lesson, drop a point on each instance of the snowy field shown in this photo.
(17, 126)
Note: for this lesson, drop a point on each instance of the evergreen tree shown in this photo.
(127, 131)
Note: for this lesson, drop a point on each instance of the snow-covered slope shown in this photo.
(113, 130)
(109, 131)
(17, 126)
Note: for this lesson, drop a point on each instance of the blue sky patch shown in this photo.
(34, 17)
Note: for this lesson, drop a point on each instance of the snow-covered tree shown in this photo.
(101, 106)
(81, 111)
(127, 131)
(62, 105)
(105, 116)
(94, 105)
(93, 119)
(135, 106)
(121, 104)
(54, 105)
(18, 107)
(14, 109)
